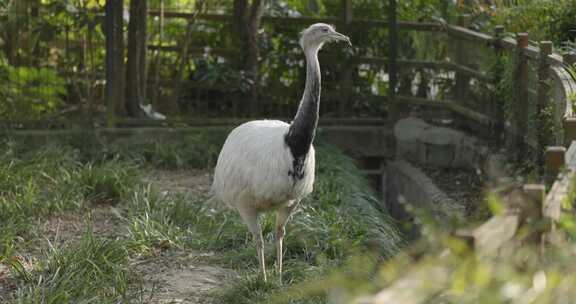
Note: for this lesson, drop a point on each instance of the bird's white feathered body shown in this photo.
(254, 168)
(268, 165)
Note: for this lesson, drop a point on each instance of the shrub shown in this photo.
(28, 93)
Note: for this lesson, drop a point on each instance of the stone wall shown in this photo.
(419, 191)
(421, 143)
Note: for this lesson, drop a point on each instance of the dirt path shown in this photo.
(181, 276)
(194, 183)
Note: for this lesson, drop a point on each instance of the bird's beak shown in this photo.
(339, 37)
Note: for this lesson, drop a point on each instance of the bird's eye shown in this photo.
(324, 30)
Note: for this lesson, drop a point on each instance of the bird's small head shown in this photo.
(317, 34)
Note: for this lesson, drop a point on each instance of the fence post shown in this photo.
(569, 130)
(554, 161)
(542, 128)
(498, 106)
(392, 57)
(348, 68)
(521, 107)
(462, 81)
(535, 194)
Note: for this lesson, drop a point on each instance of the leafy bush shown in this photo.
(29, 93)
(542, 19)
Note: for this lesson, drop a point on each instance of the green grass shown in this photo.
(341, 218)
(91, 271)
(37, 185)
(197, 150)
(40, 184)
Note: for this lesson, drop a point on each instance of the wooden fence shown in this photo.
(554, 88)
(532, 203)
(479, 116)
(539, 74)
(485, 117)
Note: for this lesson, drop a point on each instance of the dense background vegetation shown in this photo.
(53, 58)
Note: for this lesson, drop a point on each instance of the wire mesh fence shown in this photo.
(53, 63)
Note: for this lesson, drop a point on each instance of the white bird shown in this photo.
(269, 165)
(147, 109)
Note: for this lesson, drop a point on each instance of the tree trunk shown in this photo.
(239, 32)
(136, 64)
(254, 54)
(114, 59)
(15, 31)
(247, 20)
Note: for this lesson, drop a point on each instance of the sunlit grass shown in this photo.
(52, 181)
(341, 217)
(91, 271)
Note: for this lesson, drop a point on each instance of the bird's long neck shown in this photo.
(303, 127)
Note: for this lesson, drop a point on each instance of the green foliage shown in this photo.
(504, 71)
(156, 221)
(29, 93)
(542, 19)
(534, 17)
(249, 289)
(522, 271)
(427, 10)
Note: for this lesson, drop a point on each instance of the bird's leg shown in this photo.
(250, 217)
(280, 231)
(282, 217)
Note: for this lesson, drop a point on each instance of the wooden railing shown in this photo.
(530, 203)
(498, 237)
(541, 56)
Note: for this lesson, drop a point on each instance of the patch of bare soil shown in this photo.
(194, 183)
(180, 277)
(70, 227)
